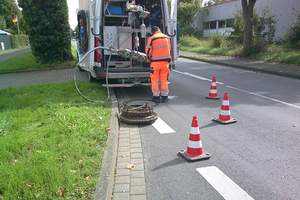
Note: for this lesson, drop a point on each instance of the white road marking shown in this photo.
(162, 127)
(223, 184)
(195, 76)
(285, 103)
(269, 98)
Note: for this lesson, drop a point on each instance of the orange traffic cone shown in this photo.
(194, 150)
(225, 117)
(213, 94)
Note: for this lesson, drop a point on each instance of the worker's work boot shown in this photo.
(156, 99)
(164, 99)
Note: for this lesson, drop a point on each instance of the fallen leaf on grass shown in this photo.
(80, 160)
(100, 117)
(94, 162)
(29, 185)
(61, 104)
(87, 178)
(36, 195)
(74, 171)
(61, 192)
(129, 166)
(108, 129)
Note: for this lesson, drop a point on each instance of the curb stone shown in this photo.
(104, 188)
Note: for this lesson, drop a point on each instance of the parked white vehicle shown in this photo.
(123, 28)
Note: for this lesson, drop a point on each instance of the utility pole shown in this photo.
(18, 25)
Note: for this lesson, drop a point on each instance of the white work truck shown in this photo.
(122, 28)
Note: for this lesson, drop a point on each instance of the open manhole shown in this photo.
(138, 112)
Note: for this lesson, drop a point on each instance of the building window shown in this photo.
(206, 25)
(222, 24)
(213, 25)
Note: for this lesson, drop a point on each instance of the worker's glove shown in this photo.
(172, 64)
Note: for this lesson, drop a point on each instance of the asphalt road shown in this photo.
(258, 157)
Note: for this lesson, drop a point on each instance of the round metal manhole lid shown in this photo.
(138, 111)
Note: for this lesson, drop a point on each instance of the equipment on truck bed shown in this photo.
(121, 29)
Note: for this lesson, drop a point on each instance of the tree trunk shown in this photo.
(248, 6)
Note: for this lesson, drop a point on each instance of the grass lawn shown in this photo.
(27, 61)
(52, 141)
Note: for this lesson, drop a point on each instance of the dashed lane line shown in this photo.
(162, 127)
(223, 184)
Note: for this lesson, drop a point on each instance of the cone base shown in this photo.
(205, 156)
(217, 97)
(232, 120)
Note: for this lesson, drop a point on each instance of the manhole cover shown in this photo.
(138, 112)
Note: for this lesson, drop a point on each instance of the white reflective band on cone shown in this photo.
(195, 145)
(225, 102)
(194, 130)
(213, 91)
(225, 112)
(213, 84)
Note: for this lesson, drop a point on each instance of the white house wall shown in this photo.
(284, 10)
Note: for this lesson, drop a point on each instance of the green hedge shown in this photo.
(18, 41)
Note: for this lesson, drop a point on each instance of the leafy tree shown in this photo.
(248, 7)
(23, 25)
(9, 10)
(2, 23)
(186, 12)
(48, 29)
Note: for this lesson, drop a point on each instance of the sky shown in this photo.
(73, 6)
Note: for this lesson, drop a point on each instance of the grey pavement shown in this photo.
(122, 172)
(5, 55)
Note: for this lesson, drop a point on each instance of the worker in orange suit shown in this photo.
(158, 50)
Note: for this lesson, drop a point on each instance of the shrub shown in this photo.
(216, 41)
(189, 41)
(293, 34)
(48, 30)
(190, 31)
(263, 30)
(18, 41)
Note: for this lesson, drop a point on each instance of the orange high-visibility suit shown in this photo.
(158, 51)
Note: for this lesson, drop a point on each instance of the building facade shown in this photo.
(218, 19)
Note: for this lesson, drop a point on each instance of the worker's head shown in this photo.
(154, 29)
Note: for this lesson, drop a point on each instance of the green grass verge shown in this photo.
(27, 61)
(273, 53)
(52, 141)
